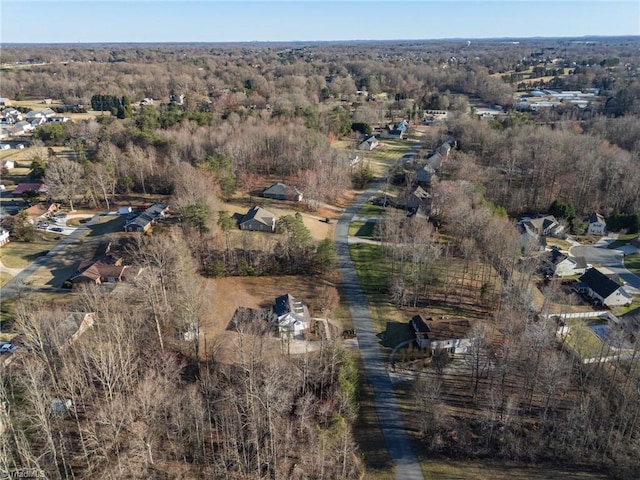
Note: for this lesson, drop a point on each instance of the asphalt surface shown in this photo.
(611, 259)
(389, 417)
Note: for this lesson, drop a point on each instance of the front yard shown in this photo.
(21, 254)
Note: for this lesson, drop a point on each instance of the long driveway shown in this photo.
(389, 417)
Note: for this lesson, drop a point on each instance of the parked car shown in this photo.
(7, 347)
(57, 229)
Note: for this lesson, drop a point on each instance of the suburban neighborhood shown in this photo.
(389, 260)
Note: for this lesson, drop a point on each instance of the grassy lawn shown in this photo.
(107, 225)
(622, 240)
(371, 268)
(583, 340)
(370, 210)
(4, 278)
(556, 242)
(632, 263)
(21, 254)
(362, 229)
(618, 311)
(442, 468)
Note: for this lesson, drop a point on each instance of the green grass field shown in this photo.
(632, 263)
(623, 239)
(583, 340)
(21, 254)
(370, 210)
(371, 267)
(362, 229)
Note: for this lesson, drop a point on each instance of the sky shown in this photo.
(89, 21)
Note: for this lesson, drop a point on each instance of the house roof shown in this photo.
(25, 187)
(420, 324)
(596, 218)
(542, 223)
(441, 329)
(449, 329)
(148, 216)
(599, 283)
(106, 265)
(260, 215)
(370, 140)
(282, 189)
(287, 303)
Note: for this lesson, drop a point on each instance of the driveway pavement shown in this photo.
(389, 417)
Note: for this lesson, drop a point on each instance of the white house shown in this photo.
(562, 265)
(604, 290)
(292, 316)
(4, 237)
(597, 224)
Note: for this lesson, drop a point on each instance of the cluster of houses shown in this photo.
(258, 219)
(14, 123)
(416, 198)
(533, 230)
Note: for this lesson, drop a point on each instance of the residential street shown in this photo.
(15, 285)
(389, 417)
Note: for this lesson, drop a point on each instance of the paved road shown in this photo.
(389, 417)
(17, 283)
(610, 259)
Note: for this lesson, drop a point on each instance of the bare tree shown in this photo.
(64, 179)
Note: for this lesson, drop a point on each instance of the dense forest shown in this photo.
(229, 119)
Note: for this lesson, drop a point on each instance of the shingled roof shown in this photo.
(599, 283)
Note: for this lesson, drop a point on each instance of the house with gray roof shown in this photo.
(369, 143)
(258, 219)
(280, 191)
(144, 221)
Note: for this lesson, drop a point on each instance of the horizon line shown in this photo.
(450, 39)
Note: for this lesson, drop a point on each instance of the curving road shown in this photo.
(389, 417)
(610, 259)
